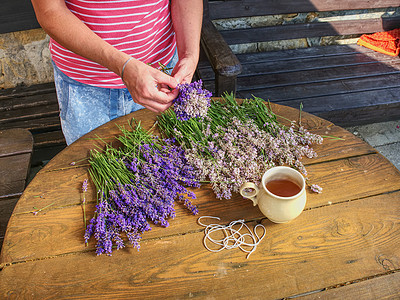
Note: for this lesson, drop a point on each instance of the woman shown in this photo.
(105, 54)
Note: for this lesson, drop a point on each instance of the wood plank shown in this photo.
(306, 30)
(13, 173)
(32, 101)
(310, 52)
(49, 139)
(310, 63)
(364, 115)
(248, 8)
(63, 232)
(26, 91)
(382, 287)
(317, 75)
(15, 141)
(301, 53)
(49, 123)
(15, 156)
(29, 113)
(342, 102)
(322, 89)
(324, 246)
(346, 95)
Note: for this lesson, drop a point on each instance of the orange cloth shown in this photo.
(387, 42)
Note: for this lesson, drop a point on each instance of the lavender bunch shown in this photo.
(236, 143)
(192, 102)
(137, 184)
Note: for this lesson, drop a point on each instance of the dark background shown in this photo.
(17, 15)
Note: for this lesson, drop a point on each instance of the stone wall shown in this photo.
(25, 58)
(251, 22)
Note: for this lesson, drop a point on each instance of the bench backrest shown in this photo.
(312, 25)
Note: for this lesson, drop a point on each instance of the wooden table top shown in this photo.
(346, 243)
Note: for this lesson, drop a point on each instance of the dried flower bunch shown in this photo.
(192, 102)
(236, 143)
(137, 184)
(220, 142)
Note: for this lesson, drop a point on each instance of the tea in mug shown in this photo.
(283, 187)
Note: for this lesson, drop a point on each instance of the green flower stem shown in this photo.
(36, 210)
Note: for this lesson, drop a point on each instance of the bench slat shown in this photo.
(348, 101)
(331, 51)
(49, 139)
(13, 174)
(313, 76)
(28, 113)
(24, 91)
(323, 89)
(306, 30)
(295, 54)
(15, 141)
(17, 102)
(349, 109)
(311, 63)
(42, 124)
(247, 8)
(15, 154)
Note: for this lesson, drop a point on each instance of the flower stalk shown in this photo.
(137, 184)
(235, 143)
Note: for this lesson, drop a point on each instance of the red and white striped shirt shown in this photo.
(140, 28)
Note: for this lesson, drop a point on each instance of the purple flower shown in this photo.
(316, 188)
(192, 102)
(147, 179)
(236, 143)
(85, 185)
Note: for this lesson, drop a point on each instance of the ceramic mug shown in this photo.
(278, 209)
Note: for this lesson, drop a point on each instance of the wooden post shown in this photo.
(225, 84)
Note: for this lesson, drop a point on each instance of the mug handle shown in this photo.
(249, 190)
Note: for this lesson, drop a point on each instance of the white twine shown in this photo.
(232, 237)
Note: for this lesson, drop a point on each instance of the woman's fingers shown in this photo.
(150, 87)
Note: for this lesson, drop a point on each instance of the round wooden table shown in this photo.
(345, 244)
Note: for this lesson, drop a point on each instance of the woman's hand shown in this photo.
(184, 70)
(150, 87)
(187, 16)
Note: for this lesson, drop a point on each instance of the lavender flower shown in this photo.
(316, 188)
(138, 184)
(192, 102)
(236, 143)
(84, 190)
(85, 186)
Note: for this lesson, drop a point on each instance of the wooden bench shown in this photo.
(16, 146)
(34, 108)
(346, 84)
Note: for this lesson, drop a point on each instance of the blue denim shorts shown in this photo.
(84, 107)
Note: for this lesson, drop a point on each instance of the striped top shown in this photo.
(142, 29)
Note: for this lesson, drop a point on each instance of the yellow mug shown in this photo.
(285, 197)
